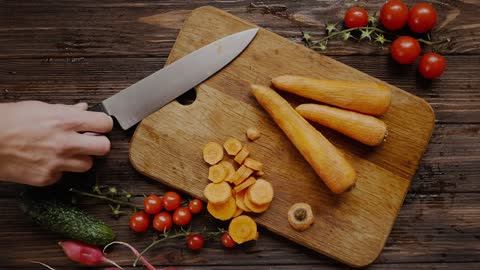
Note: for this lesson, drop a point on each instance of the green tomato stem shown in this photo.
(376, 30)
(154, 243)
(105, 198)
(166, 236)
(350, 30)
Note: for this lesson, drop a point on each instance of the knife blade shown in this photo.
(146, 96)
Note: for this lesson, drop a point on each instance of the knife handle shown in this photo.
(98, 108)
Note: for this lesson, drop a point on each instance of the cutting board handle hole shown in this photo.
(188, 97)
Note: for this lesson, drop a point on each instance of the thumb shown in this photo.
(82, 106)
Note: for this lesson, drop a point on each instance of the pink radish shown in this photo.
(85, 254)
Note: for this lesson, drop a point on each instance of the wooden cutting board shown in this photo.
(353, 227)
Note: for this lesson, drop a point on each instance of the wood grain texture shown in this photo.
(429, 229)
(357, 222)
(148, 28)
(69, 51)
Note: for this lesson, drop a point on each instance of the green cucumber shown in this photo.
(67, 220)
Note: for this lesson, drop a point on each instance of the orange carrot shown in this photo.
(363, 128)
(365, 97)
(327, 161)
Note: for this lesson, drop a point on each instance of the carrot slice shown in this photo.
(244, 176)
(238, 173)
(253, 133)
(217, 173)
(253, 164)
(242, 229)
(254, 207)
(239, 200)
(224, 211)
(300, 216)
(238, 212)
(218, 193)
(229, 168)
(232, 146)
(242, 155)
(261, 192)
(363, 128)
(212, 153)
(250, 181)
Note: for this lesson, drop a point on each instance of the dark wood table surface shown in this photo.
(73, 51)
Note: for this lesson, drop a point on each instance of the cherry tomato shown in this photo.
(195, 241)
(152, 204)
(182, 216)
(227, 240)
(171, 200)
(405, 50)
(394, 15)
(422, 17)
(195, 206)
(356, 17)
(431, 65)
(162, 221)
(139, 222)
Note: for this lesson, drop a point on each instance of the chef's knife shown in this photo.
(146, 96)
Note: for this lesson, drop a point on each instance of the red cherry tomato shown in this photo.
(356, 17)
(195, 241)
(431, 65)
(139, 222)
(227, 240)
(162, 221)
(171, 200)
(405, 50)
(422, 17)
(182, 216)
(152, 204)
(394, 15)
(195, 206)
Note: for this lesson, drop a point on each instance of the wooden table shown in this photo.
(72, 51)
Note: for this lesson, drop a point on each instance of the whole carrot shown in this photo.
(363, 128)
(364, 97)
(327, 161)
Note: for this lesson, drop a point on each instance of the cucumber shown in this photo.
(67, 220)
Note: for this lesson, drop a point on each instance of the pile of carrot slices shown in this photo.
(232, 192)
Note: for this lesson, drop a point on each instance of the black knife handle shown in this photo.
(98, 108)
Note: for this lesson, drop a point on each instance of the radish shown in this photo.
(135, 251)
(85, 254)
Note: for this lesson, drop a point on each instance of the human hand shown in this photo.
(40, 141)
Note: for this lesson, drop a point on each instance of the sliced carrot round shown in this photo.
(212, 153)
(217, 173)
(242, 229)
(261, 192)
(224, 211)
(229, 168)
(238, 212)
(300, 216)
(232, 146)
(239, 198)
(218, 193)
(255, 207)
